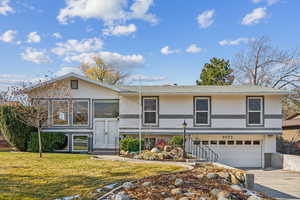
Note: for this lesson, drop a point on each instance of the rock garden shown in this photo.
(204, 182)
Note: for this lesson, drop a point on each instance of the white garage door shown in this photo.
(238, 153)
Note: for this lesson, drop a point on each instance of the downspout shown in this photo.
(140, 116)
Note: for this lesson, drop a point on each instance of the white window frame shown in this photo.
(73, 142)
(208, 111)
(260, 111)
(88, 122)
(156, 111)
(52, 118)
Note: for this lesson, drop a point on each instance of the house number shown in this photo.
(228, 137)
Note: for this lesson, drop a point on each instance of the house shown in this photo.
(291, 128)
(239, 123)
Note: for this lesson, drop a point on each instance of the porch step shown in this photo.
(105, 151)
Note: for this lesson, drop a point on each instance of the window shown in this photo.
(256, 142)
(106, 108)
(80, 112)
(213, 142)
(44, 110)
(239, 142)
(248, 142)
(80, 143)
(202, 111)
(222, 142)
(150, 110)
(60, 109)
(196, 142)
(74, 84)
(255, 110)
(205, 142)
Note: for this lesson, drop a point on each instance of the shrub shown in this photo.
(130, 144)
(15, 132)
(50, 142)
(176, 141)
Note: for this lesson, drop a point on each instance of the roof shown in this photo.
(73, 75)
(292, 121)
(293, 116)
(173, 89)
(196, 89)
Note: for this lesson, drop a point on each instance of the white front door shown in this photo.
(106, 134)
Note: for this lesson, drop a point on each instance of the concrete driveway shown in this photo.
(276, 183)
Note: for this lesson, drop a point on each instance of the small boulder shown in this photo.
(129, 185)
(155, 150)
(121, 196)
(168, 148)
(201, 198)
(215, 192)
(169, 198)
(212, 175)
(176, 191)
(184, 198)
(222, 195)
(146, 184)
(236, 187)
(254, 197)
(178, 181)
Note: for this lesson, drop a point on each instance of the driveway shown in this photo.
(277, 183)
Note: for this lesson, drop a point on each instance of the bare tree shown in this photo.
(262, 64)
(102, 72)
(32, 106)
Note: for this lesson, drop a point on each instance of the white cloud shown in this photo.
(35, 56)
(193, 49)
(255, 16)
(166, 50)
(33, 37)
(71, 47)
(111, 58)
(120, 30)
(8, 36)
(5, 8)
(110, 12)
(66, 70)
(269, 2)
(57, 35)
(205, 19)
(234, 42)
(143, 78)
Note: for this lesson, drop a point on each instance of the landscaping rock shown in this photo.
(110, 186)
(189, 194)
(168, 148)
(178, 181)
(121, 196)
(236, 187)
(70, 198)
(201, 198)
(169, 198)
(155, 150)
(215, 192)
(222, 195)
(129, 185)
(212, 175)
(254, 197)
(146, 184)
(184, 198)
(176, 191)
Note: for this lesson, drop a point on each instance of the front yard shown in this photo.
(25, 176)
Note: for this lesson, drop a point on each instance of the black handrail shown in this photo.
(202, 152)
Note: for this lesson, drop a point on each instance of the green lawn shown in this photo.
(26, 176)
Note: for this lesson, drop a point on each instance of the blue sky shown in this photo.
(161, 41)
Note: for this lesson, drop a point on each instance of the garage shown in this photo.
(235, 151)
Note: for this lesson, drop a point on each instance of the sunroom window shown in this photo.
(202, 111)
(80, 112)
(255, 110)
(150, 110)
(106, 108)
(60, 112)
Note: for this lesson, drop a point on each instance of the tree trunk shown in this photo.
(40, 141)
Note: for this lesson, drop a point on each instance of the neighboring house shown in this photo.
(291, 128)
(239, 123)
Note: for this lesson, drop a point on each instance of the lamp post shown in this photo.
(184, 125)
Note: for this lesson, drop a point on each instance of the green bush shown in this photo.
(130, 144)
(15, 132)
(50, 142)
(176, 141)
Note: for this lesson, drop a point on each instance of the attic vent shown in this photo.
(74, 84)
